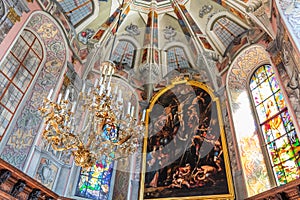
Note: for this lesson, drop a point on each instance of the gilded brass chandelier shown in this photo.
(107, 129)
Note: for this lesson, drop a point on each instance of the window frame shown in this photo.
(11, 79)
(134, 56)
(69, 12)
(213, 38)
(263, 144)
(185, 56)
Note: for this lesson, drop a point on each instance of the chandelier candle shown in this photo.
(101, 128)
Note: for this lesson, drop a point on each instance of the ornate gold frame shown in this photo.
(200, 85)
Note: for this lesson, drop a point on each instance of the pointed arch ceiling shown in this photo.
(159, 5)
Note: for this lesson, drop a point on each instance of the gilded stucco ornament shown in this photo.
(13, 16)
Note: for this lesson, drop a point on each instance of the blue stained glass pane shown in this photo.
(280, 100)
(287, 121)
(76, 10)
(269, 70)
(274, 83)
(281, 180)
(294, 138)
(94, 183)
(83, 184)
(226, 35)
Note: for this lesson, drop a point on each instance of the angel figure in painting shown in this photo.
(204, 175)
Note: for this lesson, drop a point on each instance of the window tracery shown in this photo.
(16, 73)
(77, 10)
(124, 55)
(226, 30)
(177, 59)
(276, 125)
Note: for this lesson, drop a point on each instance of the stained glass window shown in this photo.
(16, 74)
(123, 55)
(94, 183)
(77, 10)
(226, 30)
(176, 59)
(281, 140)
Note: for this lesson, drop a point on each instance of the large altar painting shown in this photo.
(185, 153)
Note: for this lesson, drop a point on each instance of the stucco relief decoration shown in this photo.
(47, 30)
(205, 10)
(291, 82)
(291, 9)
(53, 66)
(46, 172)
(122, 180)
(56, 47)
(256, 7)
(31, 116)
(150, 72)
(132, 29)
(85, 36)
(169, 33)
(231, 150)
(21, 140)
(28, 122)
(243, 65)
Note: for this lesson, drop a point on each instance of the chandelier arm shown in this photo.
(107, 132)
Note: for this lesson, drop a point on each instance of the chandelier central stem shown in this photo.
(106, 130)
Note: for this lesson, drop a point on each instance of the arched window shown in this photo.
(176, 59)
(226, 30)
(124, 55)
(276, 125)
(77, 10)
(16, 74)
(94, 183)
